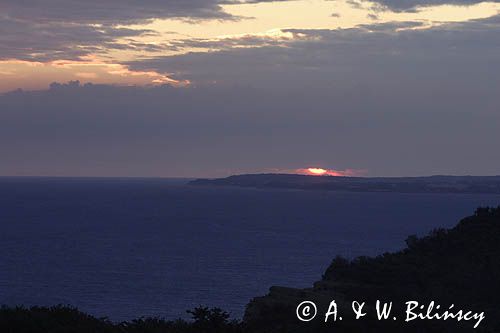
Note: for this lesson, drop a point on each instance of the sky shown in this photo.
(209, 88)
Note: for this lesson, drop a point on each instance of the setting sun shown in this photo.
(316, 171)
(330, 172)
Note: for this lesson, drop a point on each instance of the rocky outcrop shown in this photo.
(459, 266)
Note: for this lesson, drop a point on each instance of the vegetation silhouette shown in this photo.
(67, 319)
(460, 266)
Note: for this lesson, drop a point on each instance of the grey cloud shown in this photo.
(51, 41)
(362, 55)
(109, 12)
(355, 3)
(61, 29)
(163, 131)
(413, 5)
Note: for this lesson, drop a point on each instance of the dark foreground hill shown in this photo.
(459, 266)
(432, 184)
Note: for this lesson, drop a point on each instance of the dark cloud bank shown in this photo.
(406, 103)
(403, 127)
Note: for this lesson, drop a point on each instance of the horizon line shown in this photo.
(236, 174)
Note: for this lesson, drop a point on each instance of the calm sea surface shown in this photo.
(125, 248)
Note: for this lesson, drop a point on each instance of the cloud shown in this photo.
(69, 30)
(369, 56)
(59, 29)
(387, 98)
(51, 41)
(110, 12)
(413, 5)
(410, 122)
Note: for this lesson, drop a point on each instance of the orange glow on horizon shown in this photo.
(317, 171)
(21, 74)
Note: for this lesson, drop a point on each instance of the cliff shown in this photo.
(459, 266)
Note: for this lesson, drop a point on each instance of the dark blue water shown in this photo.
(127, 248)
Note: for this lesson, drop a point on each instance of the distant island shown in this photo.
(431, 184)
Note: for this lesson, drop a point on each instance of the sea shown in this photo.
(124, 248)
